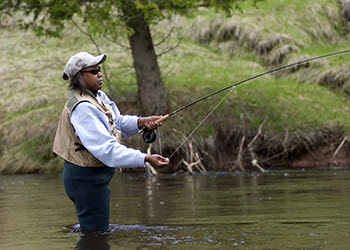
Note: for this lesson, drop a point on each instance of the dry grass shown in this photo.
(232, 48)
(262, 31)
(259, 32)
(32, 96)
(336, 78)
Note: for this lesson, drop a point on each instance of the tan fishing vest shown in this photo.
(67, 144)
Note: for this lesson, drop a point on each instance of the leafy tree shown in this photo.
(110, 17)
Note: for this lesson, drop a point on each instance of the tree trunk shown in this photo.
(151, 89)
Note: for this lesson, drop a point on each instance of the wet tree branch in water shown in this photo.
(238, 163)
(192, 158)
(332, 161)
(150, 169)
(251, 148)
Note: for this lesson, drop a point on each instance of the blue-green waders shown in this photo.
(88, 188)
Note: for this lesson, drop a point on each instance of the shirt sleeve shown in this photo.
(91, 126)
(127, 124)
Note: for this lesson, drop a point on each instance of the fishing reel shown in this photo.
(149, 136)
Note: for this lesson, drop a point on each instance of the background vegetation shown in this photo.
(306, 108)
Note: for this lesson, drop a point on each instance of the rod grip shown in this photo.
(163, 118)
(159, 120)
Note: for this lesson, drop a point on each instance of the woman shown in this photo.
(88, 139)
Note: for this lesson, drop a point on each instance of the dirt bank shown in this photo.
(323, 157)
(257, 152)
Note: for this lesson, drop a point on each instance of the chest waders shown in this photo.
(86, 184)
(88, 188)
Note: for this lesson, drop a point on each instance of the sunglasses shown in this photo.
(93, 71)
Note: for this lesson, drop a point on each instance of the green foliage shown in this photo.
(48, 17)
(288, 104)
(33, 92)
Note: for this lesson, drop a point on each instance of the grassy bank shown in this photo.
(306, 108)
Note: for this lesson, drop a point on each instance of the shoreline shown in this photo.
(326, 155)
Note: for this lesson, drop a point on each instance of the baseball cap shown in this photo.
(79, 61)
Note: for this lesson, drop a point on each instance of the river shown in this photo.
(272, 210)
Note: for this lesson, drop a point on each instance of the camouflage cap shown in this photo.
(79, 61)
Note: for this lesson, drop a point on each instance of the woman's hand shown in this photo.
(157, 160)
(149, 122)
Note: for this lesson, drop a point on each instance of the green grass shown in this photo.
(287, 104)
(33, 92)
(294, 105)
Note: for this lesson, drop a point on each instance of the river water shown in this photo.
(273, 210)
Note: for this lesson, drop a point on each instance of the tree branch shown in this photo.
(99, 51)
(336, 152)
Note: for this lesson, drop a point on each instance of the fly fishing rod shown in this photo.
(149, 136)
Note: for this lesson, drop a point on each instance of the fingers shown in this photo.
(153, 125)
(157, 160)
(151, 122)
(163, 161)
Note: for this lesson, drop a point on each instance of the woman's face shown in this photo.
(92, 77)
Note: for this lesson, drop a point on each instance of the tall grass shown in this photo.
(305, 105)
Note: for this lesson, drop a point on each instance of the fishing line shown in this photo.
(186, 139)
(149, 136)
(159, 142)
(254, 77)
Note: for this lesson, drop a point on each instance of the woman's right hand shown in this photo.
(157, 160)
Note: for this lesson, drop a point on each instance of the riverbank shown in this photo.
(306, 109)
(322, 149)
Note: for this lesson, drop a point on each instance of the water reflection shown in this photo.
(191, 196)
(281, 209)
(93, 242)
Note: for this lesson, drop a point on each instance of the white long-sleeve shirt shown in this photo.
(92, 128)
